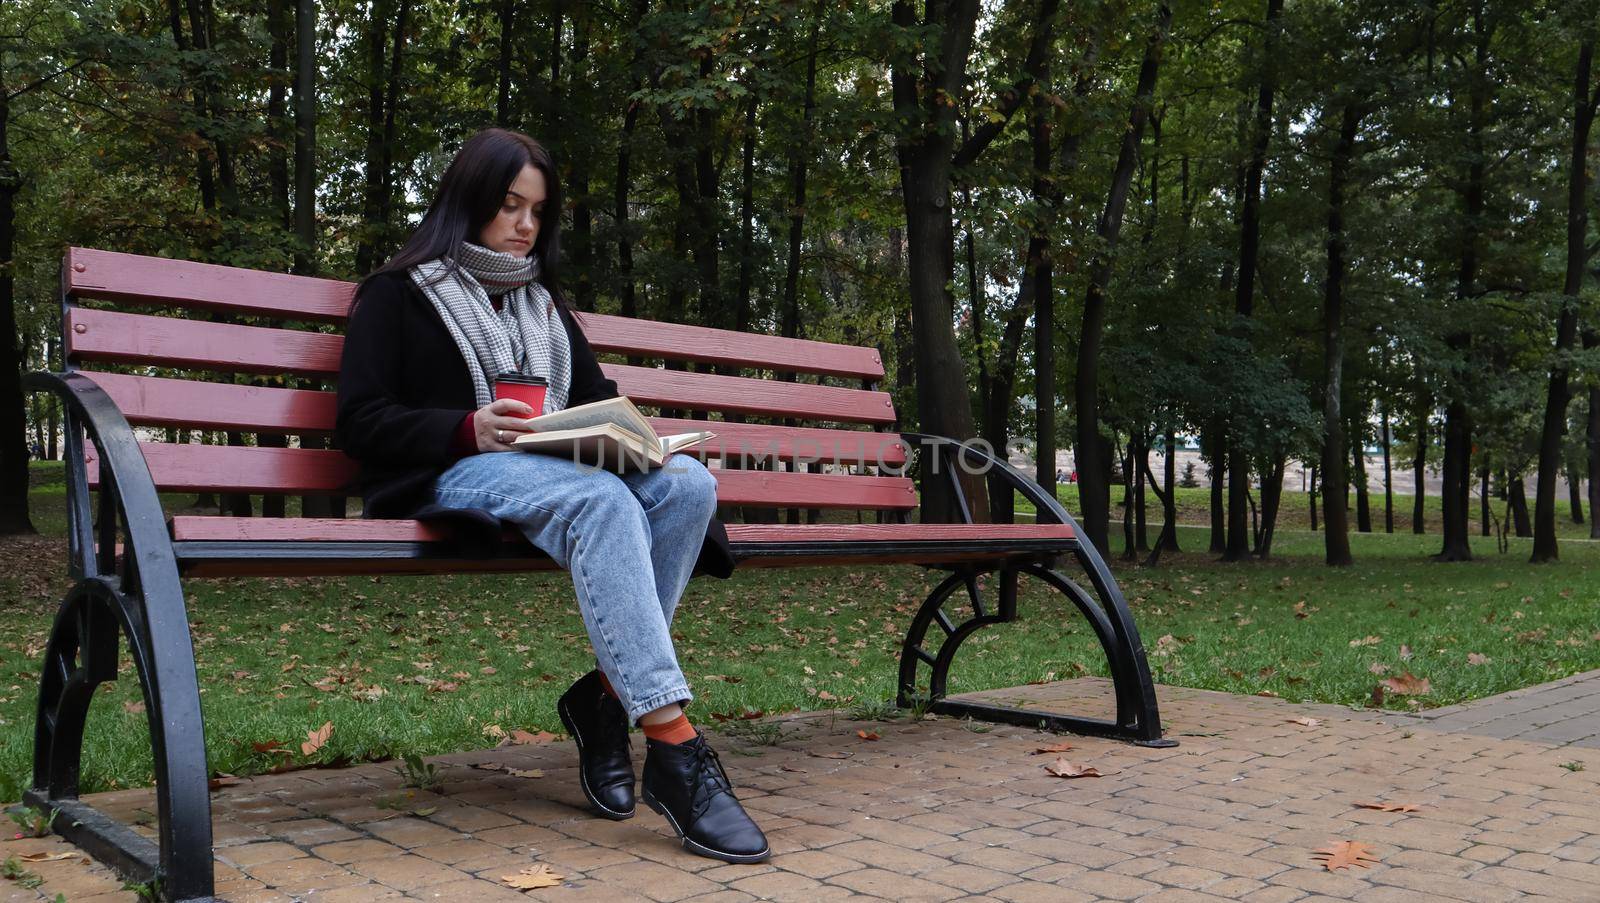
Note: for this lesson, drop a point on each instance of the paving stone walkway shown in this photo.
(1560, 713)
(943, 810)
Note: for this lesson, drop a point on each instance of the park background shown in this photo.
(1352, 239)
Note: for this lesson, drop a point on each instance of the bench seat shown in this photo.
(240, 546)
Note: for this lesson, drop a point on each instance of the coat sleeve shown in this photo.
(374, 423)
(588, 382)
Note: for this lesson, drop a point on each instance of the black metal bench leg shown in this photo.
(81, 654)
(1138, 718)
(128, 585)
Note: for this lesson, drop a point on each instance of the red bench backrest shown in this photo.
(293, 329)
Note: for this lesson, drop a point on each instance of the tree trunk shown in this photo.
(1484, 512)
(1592, 444)
(1039, 258)
(1458, 423)
(1271, 498)
(1311, 497)
(627, 303)
(581, 248)
(1093, 490)
(1336, 536)
(203, 177)
(1388, 470)
(502, 94)
(371, 208)
(277, 112)
(391, 105)
(1141, 534)
(1517, 499)
(925, 83)
(13, 412)
(1555, 410)
(1358, 476)
(1419, 469)
(1575, 495)
(1216, 474)
(1249, 248)
(305, 138)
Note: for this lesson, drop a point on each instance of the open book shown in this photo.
(612, 433)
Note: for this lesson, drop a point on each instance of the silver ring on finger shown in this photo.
(500, 436)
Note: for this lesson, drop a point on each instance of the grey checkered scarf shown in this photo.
(526, 335)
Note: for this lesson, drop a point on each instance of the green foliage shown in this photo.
(13, 870)
(33, 821)
(417, 773)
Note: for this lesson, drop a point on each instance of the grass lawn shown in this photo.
(433, 664)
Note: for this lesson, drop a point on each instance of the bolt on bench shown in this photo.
(129, 559)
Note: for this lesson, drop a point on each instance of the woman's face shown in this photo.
(514, 229)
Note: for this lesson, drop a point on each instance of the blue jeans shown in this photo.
(629, 542)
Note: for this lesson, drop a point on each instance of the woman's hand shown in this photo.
(498, 424)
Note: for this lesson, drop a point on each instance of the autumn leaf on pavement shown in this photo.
(1477, 658)
(316, 739)
(46, 857)
(520, 738)
(222, 780)
(867, 735)
(1390, 807)
(1306, 721)
(1345, 853)
(1062, 768)
(1407, 684)
(525, 772)
(1063, 746)
(532, 878)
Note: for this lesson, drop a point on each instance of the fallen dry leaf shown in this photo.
(424, 812)
(46, 857)
(1377, 695)
(525, 772)
(1345, 853)
(1062, 768)
(136, 708)
(533, 878)
(1367, 641)
(1475, 658)
(830, 754)
(1390, 807)
(1267, 693)
(793, 769)
(223, 780)
(521, 737)
(867, 735)
(1308, 722)
(1405, 652)
(1407, 684)
(1063, 746)
(316, 739)
(1378, 668)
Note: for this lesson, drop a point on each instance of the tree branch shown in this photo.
(1011, 100)
(41, 82)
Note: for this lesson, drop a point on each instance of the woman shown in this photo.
(471, 295)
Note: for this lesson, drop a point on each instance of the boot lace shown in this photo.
(710, 780)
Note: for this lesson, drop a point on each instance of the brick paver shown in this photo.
(937, 811)
(1560, 713)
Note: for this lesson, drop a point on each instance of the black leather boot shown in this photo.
(685, 782)
(599, 724)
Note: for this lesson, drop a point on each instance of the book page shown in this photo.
(620, 411)
(679, 441)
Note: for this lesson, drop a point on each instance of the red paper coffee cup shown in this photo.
(527, 389)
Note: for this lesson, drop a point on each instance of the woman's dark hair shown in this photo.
(469, 197)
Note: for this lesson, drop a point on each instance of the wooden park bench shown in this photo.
(127, 318)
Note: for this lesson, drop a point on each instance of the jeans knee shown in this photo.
(697, 484)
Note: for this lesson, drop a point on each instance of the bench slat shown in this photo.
(100, 335)
(134, 278)
(259, 529)
(220, 468)
(191, 404)
(113, 276)
(626, 335)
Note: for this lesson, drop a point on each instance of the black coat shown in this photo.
(403, 393)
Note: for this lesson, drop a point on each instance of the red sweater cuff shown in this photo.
(466, 439)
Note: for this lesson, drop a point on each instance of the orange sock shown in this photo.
(676, 731)
(606, 685)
